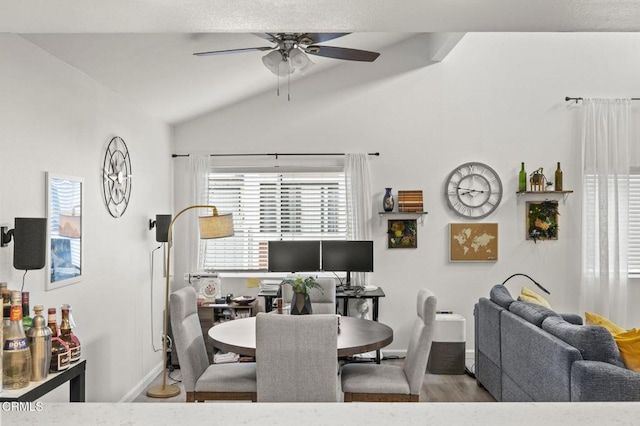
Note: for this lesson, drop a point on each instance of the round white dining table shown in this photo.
(355, 336)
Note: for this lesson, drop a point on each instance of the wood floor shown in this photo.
(436, 388)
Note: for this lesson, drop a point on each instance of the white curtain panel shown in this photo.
(605, 159)
(198, 175)
(358, 187)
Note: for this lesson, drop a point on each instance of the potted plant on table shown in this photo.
(300, 303)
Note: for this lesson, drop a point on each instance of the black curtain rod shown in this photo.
(569, 98)
(275, 154)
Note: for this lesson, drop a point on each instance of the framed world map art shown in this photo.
(473, 242)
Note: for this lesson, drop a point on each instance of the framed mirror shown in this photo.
(64, 230)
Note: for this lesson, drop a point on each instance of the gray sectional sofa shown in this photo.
(526, 352)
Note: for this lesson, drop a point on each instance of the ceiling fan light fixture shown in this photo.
(298, 59)
(272, 61)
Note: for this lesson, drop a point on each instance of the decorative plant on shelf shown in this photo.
(542, 220)
(301, 304)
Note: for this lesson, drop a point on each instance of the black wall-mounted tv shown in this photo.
(348, 256)
(294, 256)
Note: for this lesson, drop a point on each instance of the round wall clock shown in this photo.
(116, 177)
(473, 190)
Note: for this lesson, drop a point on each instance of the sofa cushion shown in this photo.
(572, 318)
(594, 342)
(528, 295)
(629, 346)
(531, 312)
(595, 319)
(501, 296)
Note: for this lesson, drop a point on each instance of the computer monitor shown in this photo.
(347, 256)
(294, 256)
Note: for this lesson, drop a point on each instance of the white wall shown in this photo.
(54, 118)
(497, 99)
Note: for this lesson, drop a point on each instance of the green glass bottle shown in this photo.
(522, 180)
(558, 178)
(27, 321)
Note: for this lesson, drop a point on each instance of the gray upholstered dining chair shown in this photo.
(297, 358)
(394, 383)
(203, 381)
(322, 302)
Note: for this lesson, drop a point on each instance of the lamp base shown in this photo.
(159, 391)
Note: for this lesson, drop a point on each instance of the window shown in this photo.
(272, 206)
(633, 256)
(634, 222)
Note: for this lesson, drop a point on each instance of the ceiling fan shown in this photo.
(288, 53)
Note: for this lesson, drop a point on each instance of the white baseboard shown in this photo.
(142, 384)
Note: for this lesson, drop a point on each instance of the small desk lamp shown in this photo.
(534, 281)
(214, 226)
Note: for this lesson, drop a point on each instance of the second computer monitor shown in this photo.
(347, 256)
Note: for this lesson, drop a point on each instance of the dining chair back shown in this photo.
(322, 301)
(392, 383)
(204, 381)
(296, 358)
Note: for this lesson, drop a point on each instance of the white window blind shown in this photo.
(272, 206)
(633, 257)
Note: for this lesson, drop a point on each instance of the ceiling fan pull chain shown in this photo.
(289, 83)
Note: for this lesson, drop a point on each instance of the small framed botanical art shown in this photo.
(473, 242)
(542, 220)
(402, 233)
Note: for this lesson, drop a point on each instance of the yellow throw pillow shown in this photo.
(527, 295)
(595, 319)
(629, 345)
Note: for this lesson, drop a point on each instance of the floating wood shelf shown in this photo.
(564, 194)
(543, 192)
(421, 215)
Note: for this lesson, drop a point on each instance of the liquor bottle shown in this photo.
(522, 180)
(39, 340)
(16, 357)
(558, 178)
(6, 307)
(67, 336)
(26, 318)
(59, 349)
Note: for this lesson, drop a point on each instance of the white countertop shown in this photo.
(366, 414)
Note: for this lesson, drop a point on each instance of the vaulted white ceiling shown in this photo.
(143, 49)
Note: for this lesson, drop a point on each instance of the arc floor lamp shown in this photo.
(214, 226)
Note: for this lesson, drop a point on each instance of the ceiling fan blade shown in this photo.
(267, 36)
(224, 52)
(342, 53)
(321, 37)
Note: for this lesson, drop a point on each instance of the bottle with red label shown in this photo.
(16, 356)
(68, 337)
(60, 355)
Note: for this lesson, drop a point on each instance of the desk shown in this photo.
(374, 295)
(74, 375)
(355, 337)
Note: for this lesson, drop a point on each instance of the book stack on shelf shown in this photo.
(410, 201)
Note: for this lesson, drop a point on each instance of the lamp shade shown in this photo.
(298, 58)
(216, 226)
(271, 60)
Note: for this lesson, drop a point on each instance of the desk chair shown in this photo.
(392, 383)
(322, 302)
(296, 358)
(203, 381)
